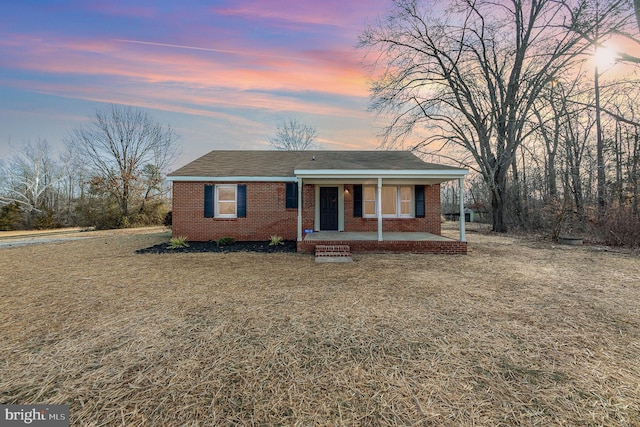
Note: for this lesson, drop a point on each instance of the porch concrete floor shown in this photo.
(361, 235)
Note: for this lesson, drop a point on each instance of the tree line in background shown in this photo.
(509, 90)
(110, 175)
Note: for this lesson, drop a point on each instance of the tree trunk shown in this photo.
(577, 193)
(573, 166)
(498, 208)
(525, 191)
(517, 201)
(551, 174)
(634, 172)
(124, 203)
(498, 211)
(601, 183)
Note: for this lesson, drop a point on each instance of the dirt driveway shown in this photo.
(12, 239)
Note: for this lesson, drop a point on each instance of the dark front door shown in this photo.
(328, 208)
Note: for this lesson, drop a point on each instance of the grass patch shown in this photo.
(515, 333)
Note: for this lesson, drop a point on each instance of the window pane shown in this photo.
(369, 199)
(389, 200)
(369, 193)
(227, 193)
(405, 200)
(227, 208)
(405, 193)
(370, 208)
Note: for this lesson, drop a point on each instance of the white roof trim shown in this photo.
(370, 173)
(234, 178)
(445, 174)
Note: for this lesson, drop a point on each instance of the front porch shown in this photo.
(411, 242)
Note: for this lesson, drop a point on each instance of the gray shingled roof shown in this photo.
(283, 163)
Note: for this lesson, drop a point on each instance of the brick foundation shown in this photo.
(447, 247)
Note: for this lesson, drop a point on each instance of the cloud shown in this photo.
(332, 13)
(205, 49)
(239, 65)
(192, 67)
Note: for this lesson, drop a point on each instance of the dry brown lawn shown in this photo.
(515, 333)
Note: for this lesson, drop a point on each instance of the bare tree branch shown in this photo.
(294, 136)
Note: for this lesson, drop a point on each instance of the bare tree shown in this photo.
(472, 73)
(30, 177)
(294, 136)
(118, 146)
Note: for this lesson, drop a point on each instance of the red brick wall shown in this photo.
(266, 214)
(308, 206)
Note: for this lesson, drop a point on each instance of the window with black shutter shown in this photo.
(208, 201)
(225, 201)
(242, 201)
(292, 195)
(357, 201)
(419, 195)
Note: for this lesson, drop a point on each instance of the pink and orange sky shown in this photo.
(223, 73)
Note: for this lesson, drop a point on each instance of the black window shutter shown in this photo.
(357, 201)
(419, 193)
(242, 201)
(292, 195)
(208, 201)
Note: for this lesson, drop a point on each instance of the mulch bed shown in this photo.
(287, 246)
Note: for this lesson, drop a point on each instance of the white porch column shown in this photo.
(379, 209)
(463, 237)
(299, 209)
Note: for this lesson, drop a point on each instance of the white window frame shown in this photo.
(217, 202)
(398, 202)
(365, 200)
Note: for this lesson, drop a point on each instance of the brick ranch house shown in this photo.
(375, 201)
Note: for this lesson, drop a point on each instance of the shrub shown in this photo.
(225, 241)
(619, 227)
(178, 242)
(46, 220)
(103, 214)
(150, 213)
(276, 240)
(10, 217)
